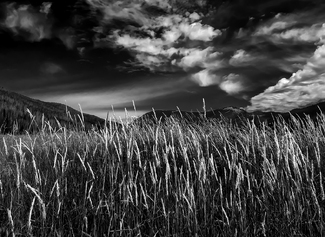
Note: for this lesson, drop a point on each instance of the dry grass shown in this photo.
(171, 179)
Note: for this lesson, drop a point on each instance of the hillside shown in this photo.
(237, 115)
(14, 113)
(231, 113)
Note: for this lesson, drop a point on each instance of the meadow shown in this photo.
(212, 178)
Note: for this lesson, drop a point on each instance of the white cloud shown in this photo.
(302, 88)
(292, 28)
(197, 31)
(159, 51)
(205, 78)
(311, 34)
(241, 58)
(232, 84)
(194, 16)
(163, 48)
(270, 28)
(197, 58)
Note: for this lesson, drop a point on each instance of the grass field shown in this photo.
(171, 179)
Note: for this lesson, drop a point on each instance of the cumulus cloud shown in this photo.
(163, 42)
(205, 78)
(241, 58)
(206, 58)
(232, 84)
(166, 46)
(304, 87)
(197, 31)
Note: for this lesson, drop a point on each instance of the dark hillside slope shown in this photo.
(312, 110)
(235, 115)
(14, 113)
(230, 113)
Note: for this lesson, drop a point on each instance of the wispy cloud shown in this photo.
(306, 26)
(35, 24)
(120, 96)
(127, 10)
(51, 68)
(26, 21)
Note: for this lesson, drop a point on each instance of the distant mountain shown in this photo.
(237, 115)
(16, 110)
(14, 113)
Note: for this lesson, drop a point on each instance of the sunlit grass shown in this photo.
(170, 179)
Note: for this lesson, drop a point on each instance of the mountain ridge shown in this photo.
(15, 110)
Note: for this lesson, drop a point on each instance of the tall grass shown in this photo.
(165, 179)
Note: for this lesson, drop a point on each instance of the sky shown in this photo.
(112, 56)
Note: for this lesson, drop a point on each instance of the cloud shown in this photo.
(67, 36)
(232, 84)
(51, 68)
(310, 34)
(197, 31)
(163, 4)
(161, 41)
(304, 87)
(25, 20)
(270, 28)
(205, 78)
(35, 24)
(45, 8)
(127, 10)
(300, 27)
(154, 51)
(119, 96)
(242, 58)
(143, 12)
(195, 57)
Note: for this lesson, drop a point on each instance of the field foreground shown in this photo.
(171, 179)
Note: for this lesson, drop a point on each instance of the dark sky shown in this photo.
(261, 55)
